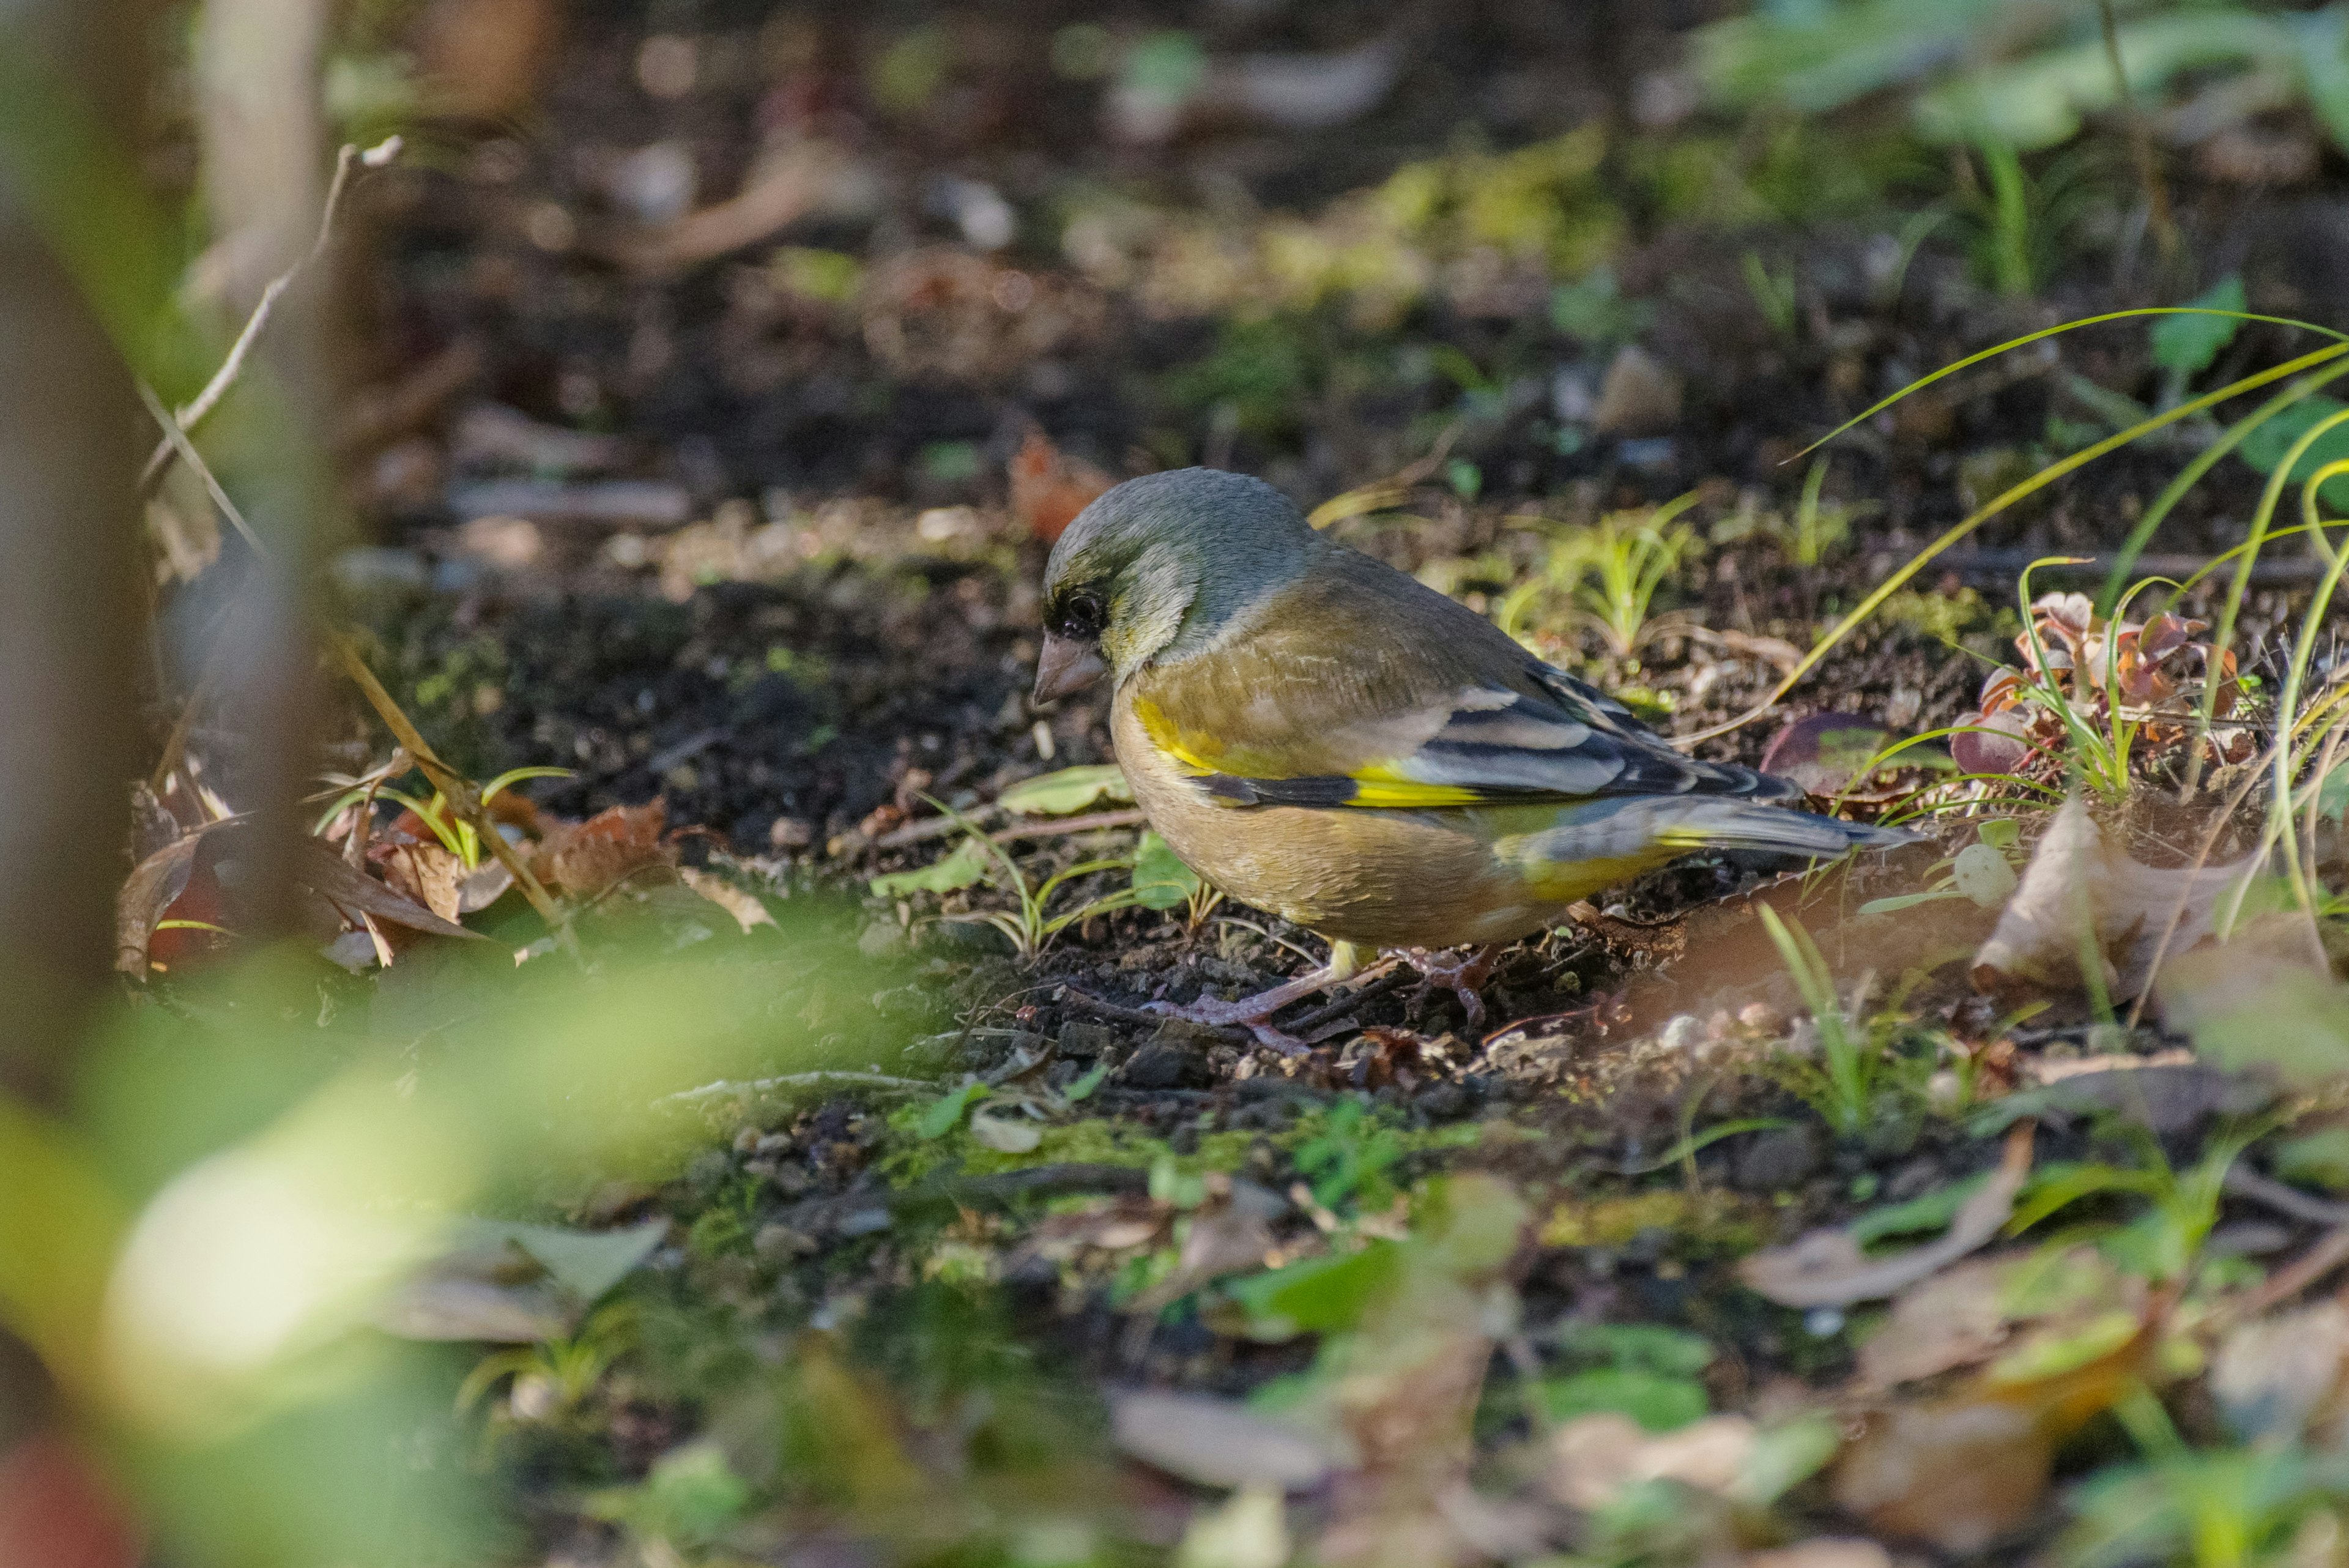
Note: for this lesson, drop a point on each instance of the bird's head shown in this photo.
(1157, 567)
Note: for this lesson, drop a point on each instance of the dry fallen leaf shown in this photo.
(803, 177)
(427, 873)
(748, 911)
(1958, 1474)
(1826, 1268)
(1216, 1442)
(1961, 1471)
(1823, 1552)
(482, 57)
(624, 843)
(2076, 876)
(1957, 1318)
(1593, 1458)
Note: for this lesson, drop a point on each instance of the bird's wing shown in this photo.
(1347, 691)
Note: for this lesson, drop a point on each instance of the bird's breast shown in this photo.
(1387, 878)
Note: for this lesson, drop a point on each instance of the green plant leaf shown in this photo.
(1065, 793)
(1906, 901)
(1928, 1211)
(2187, 344)
(2319, 1158)
(1659, 1403)
(587, 1264)
(1319, 1296)
(1160, 881)
(2265, 447)
(966, 866)
(1643, 1346)
(1083, 1088)
(946, 1112)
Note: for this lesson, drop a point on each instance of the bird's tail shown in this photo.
(1633, 827)
(1701, 823)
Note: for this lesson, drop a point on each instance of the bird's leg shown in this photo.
(1254, 1013)
(1459, 970)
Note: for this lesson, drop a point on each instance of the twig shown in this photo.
(2330, 1251)
(1085, 1001)
(194, 412)
(1089, 823)
(175, 439)
(463, 798)
(931, 827)
(2285, 1200)
(729, 1087)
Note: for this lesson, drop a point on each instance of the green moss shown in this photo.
(1714, 1220)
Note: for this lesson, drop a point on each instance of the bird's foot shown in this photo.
(1254, 1013)
(1460, 971)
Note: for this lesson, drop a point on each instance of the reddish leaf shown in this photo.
(624, 843)
(2000, 752)
(1049, 487)
(1827, 754)
(56, 1510)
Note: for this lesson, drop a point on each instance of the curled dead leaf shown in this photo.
(1826, 1268)
(748, 911)
(622, 844)
(427, 873)
(2075, 879)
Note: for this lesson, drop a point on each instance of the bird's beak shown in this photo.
(1066, 665)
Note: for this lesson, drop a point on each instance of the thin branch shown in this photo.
(197, 411)
(175, 439)
(463, 798)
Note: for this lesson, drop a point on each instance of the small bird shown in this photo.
(1322, 736)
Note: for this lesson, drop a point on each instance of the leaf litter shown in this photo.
(1319, 1287)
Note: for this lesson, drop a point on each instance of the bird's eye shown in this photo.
(1081, 617)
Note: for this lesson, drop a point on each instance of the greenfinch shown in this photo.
(1324, 737)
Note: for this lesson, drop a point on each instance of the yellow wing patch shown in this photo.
(1382, 785)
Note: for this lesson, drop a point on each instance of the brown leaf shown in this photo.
(748, 911)
(1955, 1319)
(1593, 1458)
(1958, 1474)
(621, 844)
(2075, 875)
(806, 176)
(353, 893)
(427, 873)
(483, 56)
(1823, 1552)
(1639, 397)
(155, 883)
(1826, 1268)
(1961, 1472)
(1827, 754)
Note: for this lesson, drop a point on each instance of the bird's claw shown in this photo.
(1460, 972)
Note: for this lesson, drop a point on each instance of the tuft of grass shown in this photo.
(1841, 1084)
(1609, 572)
(1031, 923)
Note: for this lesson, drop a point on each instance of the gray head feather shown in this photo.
(1172, 557)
